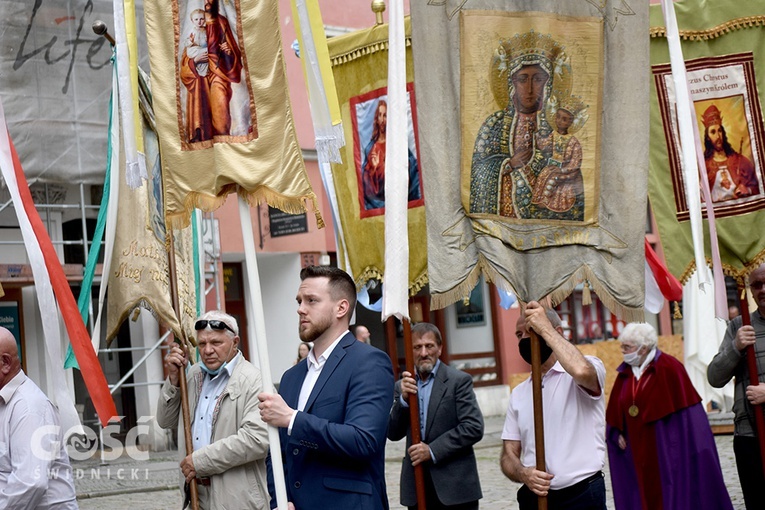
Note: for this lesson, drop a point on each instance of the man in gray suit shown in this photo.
(450, 424)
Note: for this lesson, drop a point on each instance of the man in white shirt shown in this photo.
(574, 421)
(332, 408)
(230, 440)
(34, 469)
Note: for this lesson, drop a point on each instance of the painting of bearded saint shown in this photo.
(371, 120)
(214, 94)
(731, 175)
(526, 160)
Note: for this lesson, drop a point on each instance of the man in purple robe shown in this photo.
(661, 449)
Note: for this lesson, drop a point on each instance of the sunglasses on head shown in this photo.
(216, 325)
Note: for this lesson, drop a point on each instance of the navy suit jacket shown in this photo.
(335, 456)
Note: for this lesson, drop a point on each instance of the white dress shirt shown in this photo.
(212, 389)
(315, 366)
(34, 468)
(574, 423)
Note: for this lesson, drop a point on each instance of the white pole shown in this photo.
(256, 312)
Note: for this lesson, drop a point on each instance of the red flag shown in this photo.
(93, 375)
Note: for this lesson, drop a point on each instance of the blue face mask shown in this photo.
(213, 373)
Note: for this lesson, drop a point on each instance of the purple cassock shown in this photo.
(671, 460)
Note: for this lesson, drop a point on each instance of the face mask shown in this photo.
(632, 358)
(213, 373)
(524, 347)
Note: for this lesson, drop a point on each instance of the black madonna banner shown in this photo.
(540, 181)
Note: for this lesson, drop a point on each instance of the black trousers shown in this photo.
(432, 501)
(749, 466)
(589, 494)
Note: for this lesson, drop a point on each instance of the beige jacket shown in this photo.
(235, 458)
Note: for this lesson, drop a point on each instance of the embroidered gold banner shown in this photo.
(139, 272)
(222, 106)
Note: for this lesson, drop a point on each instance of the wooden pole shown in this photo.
(751, 363)
(259, 319)
(414, 415)
(539, 428)
(193, 489)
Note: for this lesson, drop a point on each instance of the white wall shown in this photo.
(145, 332)
(279, 281)
(473, 338)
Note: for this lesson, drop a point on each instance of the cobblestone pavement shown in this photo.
(150, 485)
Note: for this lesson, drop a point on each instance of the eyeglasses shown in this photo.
(216, 325)
(756, 285)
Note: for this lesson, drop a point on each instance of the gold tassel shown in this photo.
(677, 314)
(586, 296)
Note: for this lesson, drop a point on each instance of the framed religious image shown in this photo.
(729, 120)
(471, 312)
(369, 113)
(215, 100)
(531, 100)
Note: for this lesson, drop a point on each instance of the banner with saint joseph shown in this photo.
(222, 106)
(534, 147)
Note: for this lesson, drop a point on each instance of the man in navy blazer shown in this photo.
(332, 407)
(450, 424)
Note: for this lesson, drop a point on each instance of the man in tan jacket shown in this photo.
(230, 440)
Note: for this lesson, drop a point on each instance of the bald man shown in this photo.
(34, 468)
(362, 334)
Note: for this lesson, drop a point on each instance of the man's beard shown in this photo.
(314, 330)
(425, 369)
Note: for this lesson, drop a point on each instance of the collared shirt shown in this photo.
(638, 371)
(424, 389)
(212, 389)
(574, 422)
(26, 457)
(315, 366)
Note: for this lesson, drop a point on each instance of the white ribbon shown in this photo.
(396, 296)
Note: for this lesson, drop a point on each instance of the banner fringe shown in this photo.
(585, 274)
(260, 195)
(329, 142)
(374, 273)
(363, 51)
(714, 32)
(740, 275)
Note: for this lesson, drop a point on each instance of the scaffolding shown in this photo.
(52, 204)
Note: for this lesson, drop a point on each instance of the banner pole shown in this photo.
(539, 428)
(256, 312)
(414, 414)
(751, 363)
(183, 389)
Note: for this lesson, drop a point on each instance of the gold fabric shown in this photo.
(139, 276)
(222, 107)
(360, 63)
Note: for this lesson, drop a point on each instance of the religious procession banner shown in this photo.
(139, 276)
(722, 49)
(221, 101)
(360, 67)
(533, 134)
